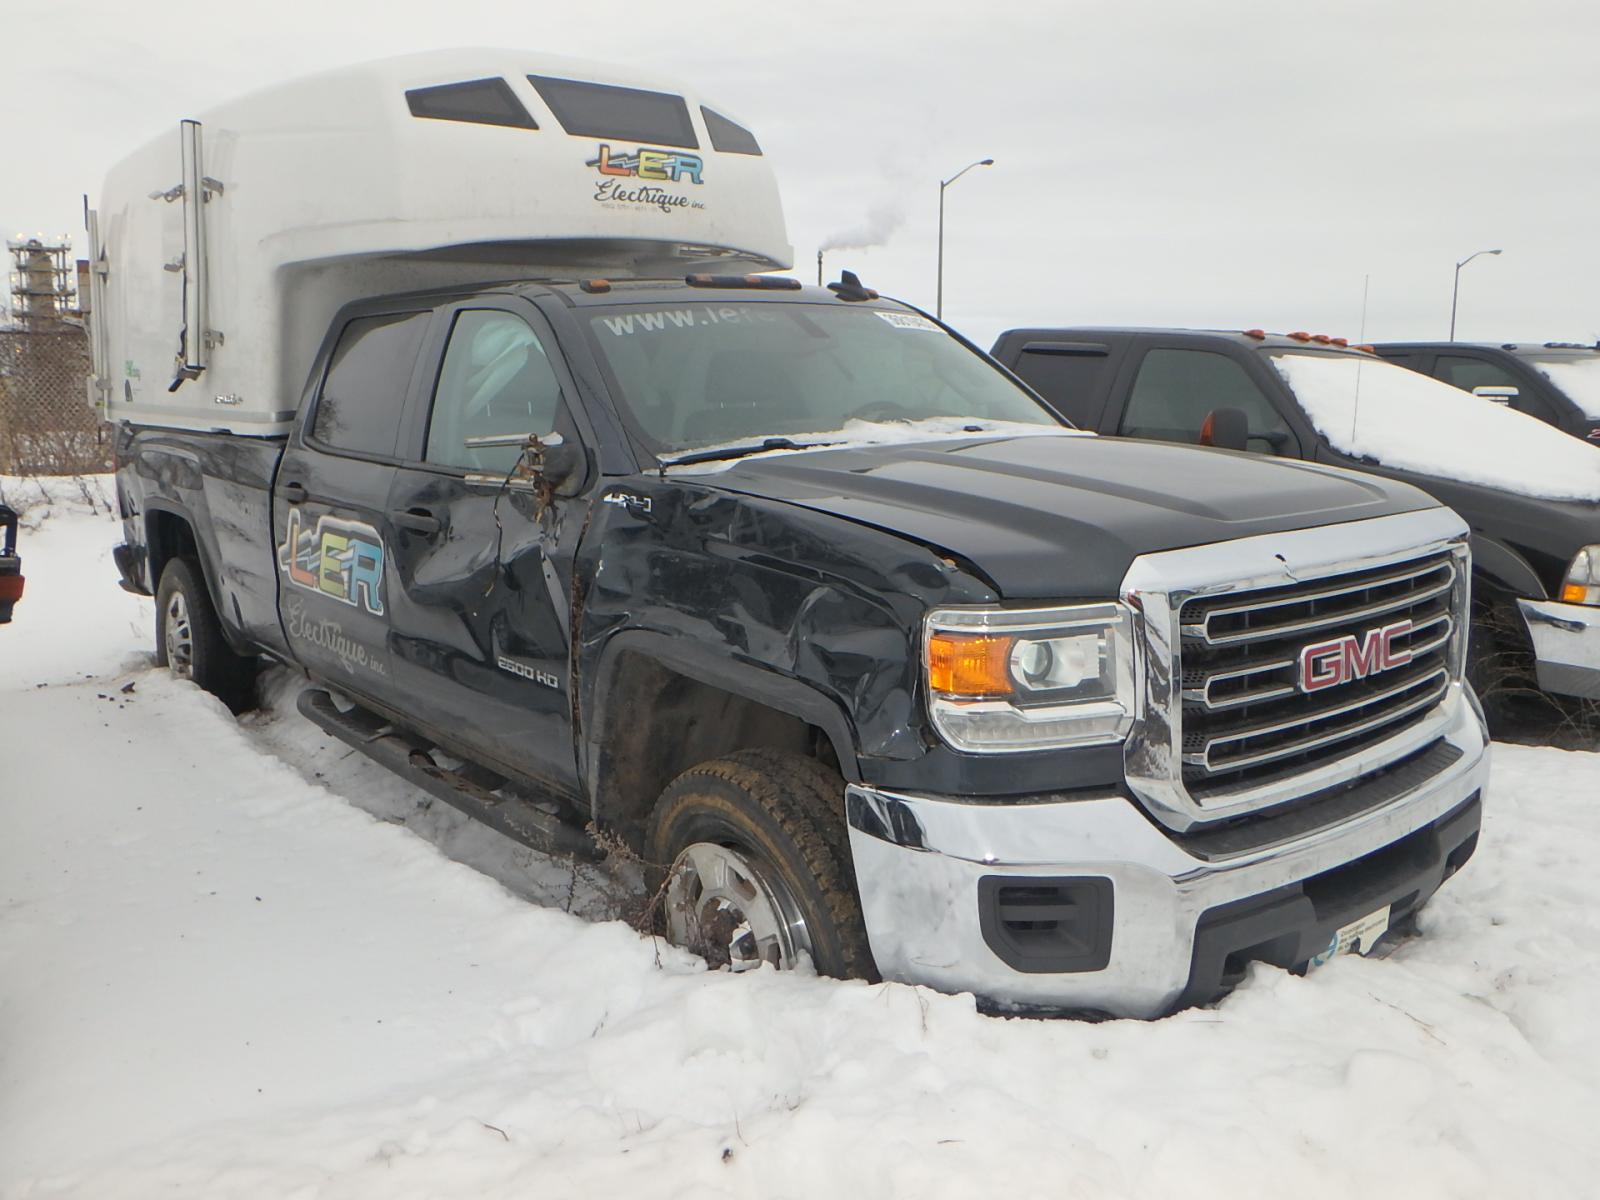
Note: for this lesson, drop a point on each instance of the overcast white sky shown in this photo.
(1170, 162)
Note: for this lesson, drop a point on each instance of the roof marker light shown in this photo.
(1300, 335)
(759, 282)
(1258, 334)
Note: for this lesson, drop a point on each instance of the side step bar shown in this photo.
(517, 818)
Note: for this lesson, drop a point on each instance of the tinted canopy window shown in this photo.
(703, 375)
(365, 388)
(479, 101)
(726, 136)
(604, 110)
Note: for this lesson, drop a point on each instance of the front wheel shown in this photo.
(760, 869)
(189, 640)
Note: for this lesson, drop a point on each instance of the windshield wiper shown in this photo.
(717, 453)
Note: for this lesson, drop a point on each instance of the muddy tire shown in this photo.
(758, 865)
(189, 640)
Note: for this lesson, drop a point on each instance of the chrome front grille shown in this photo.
(1226, 728)
(1247, 716)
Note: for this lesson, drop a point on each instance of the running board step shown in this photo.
(517, 818)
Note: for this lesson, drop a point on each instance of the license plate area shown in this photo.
(1360, 936)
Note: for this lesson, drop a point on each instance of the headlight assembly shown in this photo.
(1582, 584)
(1003, 680)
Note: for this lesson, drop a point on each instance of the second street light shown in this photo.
(938, 307)
(1455, 291)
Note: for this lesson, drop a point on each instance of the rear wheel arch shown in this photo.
(172, 531)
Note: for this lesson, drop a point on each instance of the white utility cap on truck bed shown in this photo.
(222, 250)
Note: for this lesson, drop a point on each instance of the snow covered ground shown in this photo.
(236, 961)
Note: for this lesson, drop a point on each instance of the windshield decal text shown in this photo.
(684, 318)
(905, 320)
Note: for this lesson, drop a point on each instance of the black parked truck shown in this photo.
(882, 667)
(1554, 382)
(1530, 495)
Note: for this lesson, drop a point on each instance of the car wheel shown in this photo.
(757, 866)
(189, 640)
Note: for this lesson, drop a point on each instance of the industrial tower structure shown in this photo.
(43, 283)
(46, 424)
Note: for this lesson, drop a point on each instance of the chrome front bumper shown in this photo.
(1566, 646)
(919, 862)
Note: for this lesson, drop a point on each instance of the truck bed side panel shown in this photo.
(217, 490)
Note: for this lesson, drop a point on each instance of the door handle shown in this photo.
(294, 493)
(418, 520)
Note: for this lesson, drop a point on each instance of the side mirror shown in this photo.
(563, 467)
(1497, 395)
(1226, 429)
(547, 461)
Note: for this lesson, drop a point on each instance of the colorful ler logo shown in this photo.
(337, 558)
(660, 166)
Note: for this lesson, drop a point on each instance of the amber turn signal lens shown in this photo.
(1574, 593)
(964, 664)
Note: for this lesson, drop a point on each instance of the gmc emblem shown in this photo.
(1346, 659)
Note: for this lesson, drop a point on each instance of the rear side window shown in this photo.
(1069, 379)
(603, 110)
(478, 101)
(365, 388)
(726, 136)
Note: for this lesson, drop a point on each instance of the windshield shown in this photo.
(1373, 409)
(714, 374)
(1579, 378)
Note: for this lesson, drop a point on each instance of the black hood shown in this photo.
(1062, 517)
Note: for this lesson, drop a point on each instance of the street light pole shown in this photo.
(938, 307)
(1456, 290)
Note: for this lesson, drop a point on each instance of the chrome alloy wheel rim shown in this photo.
(733, 913)
(179, 637)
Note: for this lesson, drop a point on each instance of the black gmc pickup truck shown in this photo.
(1531, 497)
(881, 665)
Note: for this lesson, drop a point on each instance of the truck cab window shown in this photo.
(365, 387)
(1467, 373)
(1070, 382)
(496, 378)
(1177, 389)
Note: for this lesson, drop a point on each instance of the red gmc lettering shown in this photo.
(1343, 660)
